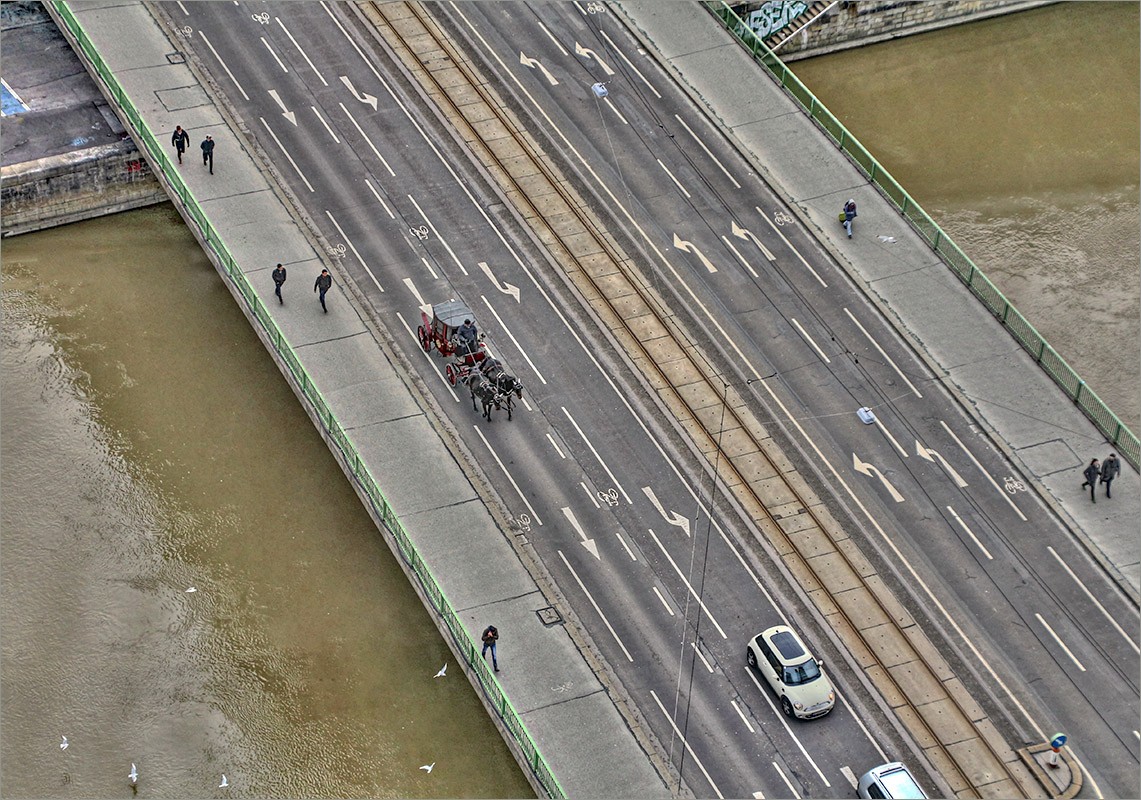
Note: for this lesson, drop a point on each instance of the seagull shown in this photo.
(224, 782)
(134, 774)
(443, 671)
(63, 744)
(190, 590)
(888, 239)
(428, 767)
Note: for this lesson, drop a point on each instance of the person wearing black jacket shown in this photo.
(1091, 474)
(181, 140)
(208, 153)
(490, 637)
(278, 279)
(324, 282)
(1110, 469)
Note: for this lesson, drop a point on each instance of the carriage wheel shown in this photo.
(450, 371)
(425, 342)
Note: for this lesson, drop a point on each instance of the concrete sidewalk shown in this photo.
(570, 708)
(1044, 434)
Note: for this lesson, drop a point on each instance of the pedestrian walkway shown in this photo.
(1047, 438)
(576, 740)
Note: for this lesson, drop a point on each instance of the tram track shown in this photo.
(935, 707)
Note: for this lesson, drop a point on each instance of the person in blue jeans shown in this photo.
(324, 281)
(849, 215)
(490, 637)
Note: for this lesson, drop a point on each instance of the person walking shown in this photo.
(278, 279)
(1110, 469)
(849, 215)
(324, 281)
(1092, 473)
(181, 140)
(490, 637)
(208, 153)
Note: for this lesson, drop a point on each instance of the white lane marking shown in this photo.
(685, 580)
(741, 714)
(597, 456)
(590, 597)
(927, 453)
(614, 108)
(499, 461)
(296, 168)
(285, 112)
(275, 58)
(380, 200)
(787, 782)
(859, 721)
(810, 340)
(428, 266)
(511, 336)
(1089, 594)
(439, 235)
(700, 655)
(408, 282)
(664, 603)
(184, 11)
(427, 357)
(883, 429)
(622, 542)
(506, 288)
(970, 533)
(561, 455)
(690, 247)
(985, 474)
(531, 63)
(758, 796)
(692, 754)
(764, 690)
(367, 139)
(697, 139)
(223, 63)
(740, 257)
(579, 50)
(886, 357)
(587, 542)
(615, 49)
(1061, 644)
(589, 493)
(677, 183)
(788, 244)
(364, 97)
(1137, 734)
(745, 233)
(551, 36)
(673, 518)
(326, 124)
(851, 776)
(304, 55)
(867, 468)
(353, 247)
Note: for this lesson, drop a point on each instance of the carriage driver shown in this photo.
(468, 335)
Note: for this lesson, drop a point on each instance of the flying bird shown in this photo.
(191, 589)
(133, 774)
(443, 671)
(428, 767)
(224, 782)
(888, 239)
(63, 744)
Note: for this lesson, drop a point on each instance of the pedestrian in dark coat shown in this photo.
(278, 279)
(849, 215)
(181, 140)
(324, 281)
(490, 637)
(1110, 469)
(208, 153)
(1092, 474)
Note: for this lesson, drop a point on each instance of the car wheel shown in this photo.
(752, 659)
(786, 706)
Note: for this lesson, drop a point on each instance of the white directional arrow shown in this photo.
(868, 469)
(285, 112)
(412, 288)
(745, 233)
(534, 62)
(506, 288)
(682, 244)
(364, 98)
(924, 452)
(673, 518)
(579, 50)
(587, 543)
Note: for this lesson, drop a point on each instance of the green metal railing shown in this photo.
(157, 157)
(979, 284)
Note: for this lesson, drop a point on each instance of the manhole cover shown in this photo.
(548, 616)
(176, 58)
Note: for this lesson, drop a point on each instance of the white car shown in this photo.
(795, 675)
(889, 782)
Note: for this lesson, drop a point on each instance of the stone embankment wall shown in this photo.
(73, 186)
(856, 23)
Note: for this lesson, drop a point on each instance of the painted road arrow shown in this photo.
(745, 233)
(506, 288)
(682, 244)
(924, 452)
(285, 112)
(534, 62)
(868, 469)
(579, 50)
(364, 98)
(587, 543)
(673, 518)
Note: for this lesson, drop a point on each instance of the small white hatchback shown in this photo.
(794, 674)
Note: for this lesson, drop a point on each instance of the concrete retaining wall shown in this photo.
(74, 186)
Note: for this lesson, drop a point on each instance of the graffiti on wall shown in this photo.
(774, 15)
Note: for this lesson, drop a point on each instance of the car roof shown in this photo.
(786, 643)
(898, 781)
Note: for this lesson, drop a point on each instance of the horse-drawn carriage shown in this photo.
(450, 328)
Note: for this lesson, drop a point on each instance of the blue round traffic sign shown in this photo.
(1057, 740)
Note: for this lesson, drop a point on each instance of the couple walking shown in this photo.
(181, 140)
(323, 284)
(1104, 472)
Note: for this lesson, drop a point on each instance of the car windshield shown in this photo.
(801, 673)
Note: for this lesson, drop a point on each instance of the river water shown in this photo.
(149, 446)
(1020, 136)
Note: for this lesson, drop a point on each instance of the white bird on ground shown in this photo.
(191, 589)
(133, 774)
(63, 744)
(428, 767)
(888, 239)
(442, 672)
(224, 782)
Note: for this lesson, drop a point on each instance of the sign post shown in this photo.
(1056, 742)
